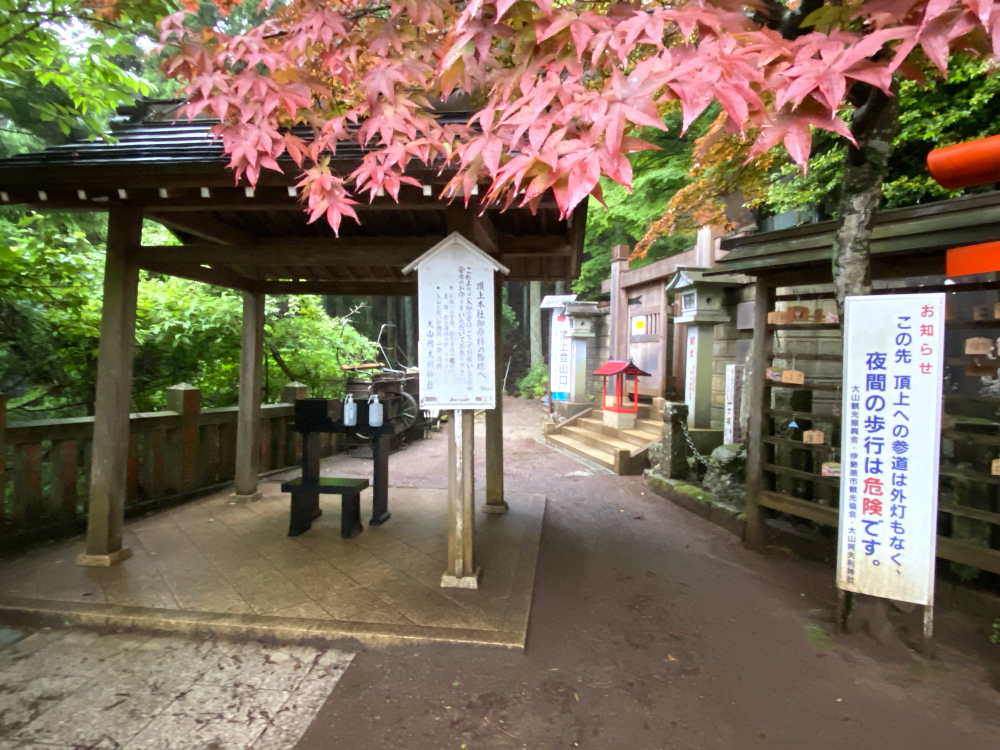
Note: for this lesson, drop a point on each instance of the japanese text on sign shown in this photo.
(893, 360)
(456, 349)
(560, 343)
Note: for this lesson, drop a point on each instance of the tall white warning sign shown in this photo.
(457, 359)
(890, 445)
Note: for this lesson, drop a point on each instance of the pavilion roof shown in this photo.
(260, 239)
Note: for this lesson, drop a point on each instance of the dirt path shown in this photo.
(653, 629)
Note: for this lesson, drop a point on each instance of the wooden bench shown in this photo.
(305, 503)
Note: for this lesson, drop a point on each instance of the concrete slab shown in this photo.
(218, 567)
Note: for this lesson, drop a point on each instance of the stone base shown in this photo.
(243, 499)
(496, 508)
(461, 582)
(569, 409)
(705, 440)
(618, 420)
(103, 561)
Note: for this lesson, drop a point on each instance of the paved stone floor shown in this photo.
(216, 556)
(70, 690)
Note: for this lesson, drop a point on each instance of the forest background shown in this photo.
(62, 79)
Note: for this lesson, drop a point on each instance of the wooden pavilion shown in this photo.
(258, 241)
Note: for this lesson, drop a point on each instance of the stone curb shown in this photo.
(300, 631)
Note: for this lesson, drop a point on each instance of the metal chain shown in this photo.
(697, 456)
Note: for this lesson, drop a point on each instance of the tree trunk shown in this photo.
(535, 311)
(874, 126)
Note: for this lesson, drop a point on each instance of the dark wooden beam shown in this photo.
(577, 237)
(485, 234)
(214, 276)
(203, 227)
(358, 251)
(368, 288)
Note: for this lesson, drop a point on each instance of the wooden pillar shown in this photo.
(462, 571)
(495, 502)
(754, 534)
(3, 461)
(248, 421)
(109, 452)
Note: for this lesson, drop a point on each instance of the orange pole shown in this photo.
(966, 164)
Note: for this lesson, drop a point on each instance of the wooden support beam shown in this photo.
(201, 226)
(380, 288)
(109, 452)
(359, 251)
(485, 234)
(754, 531)
(251, 374)
(495, 502)
(214, 276)
(577, 235)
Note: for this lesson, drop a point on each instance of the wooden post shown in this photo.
(380, 480)
(109, 452)
(293, 440)
(183, 442)
(3, 460)
(618, 325)
(461, 572)
(495, 502)
(754, 535)
(248, 421)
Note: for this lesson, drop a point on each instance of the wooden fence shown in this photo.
(173, 455)
(785, 474)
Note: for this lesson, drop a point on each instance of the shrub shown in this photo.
(535, 384)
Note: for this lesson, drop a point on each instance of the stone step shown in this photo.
(640, 437)
(649, 425)
(598, 439)
(636, 437)
(598, 456)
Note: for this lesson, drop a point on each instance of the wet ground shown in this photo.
(650, 628)
(653, 629)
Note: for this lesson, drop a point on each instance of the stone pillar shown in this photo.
(582, 316)
(672, 454)
(618, 325)
(248, 420)
(109, 451)
(462, 571)
(698, 374)
(495, 502)
(182, 442)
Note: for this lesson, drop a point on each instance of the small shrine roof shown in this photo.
(617, 367)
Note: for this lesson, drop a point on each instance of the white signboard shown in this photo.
(456, 350)
(731, 430)
(691, 375)
(560, 345)
(890, 449)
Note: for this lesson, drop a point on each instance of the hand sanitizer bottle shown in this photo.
(350, 411)
(374, 412)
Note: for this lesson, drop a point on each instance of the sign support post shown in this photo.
(891, 442)
(458, 372)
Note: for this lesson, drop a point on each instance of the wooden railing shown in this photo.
(173, 455)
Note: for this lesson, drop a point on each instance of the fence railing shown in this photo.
(172, 455)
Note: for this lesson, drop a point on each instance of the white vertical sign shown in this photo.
(691, 371)
(559, 356)
(890, 445)
(731, 430)
(457, 353)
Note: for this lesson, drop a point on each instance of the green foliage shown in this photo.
(536, 383)
(995, 638)
(657, 176)
(937, 113)
(70, 63)
(51, 273)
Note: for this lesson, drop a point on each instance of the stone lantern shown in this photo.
(701, 308)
